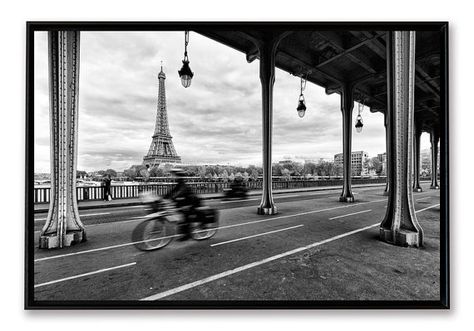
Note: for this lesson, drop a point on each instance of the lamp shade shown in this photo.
(186, 74)
(301, 106)
(359, 124)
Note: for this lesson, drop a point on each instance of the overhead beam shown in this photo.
(310, 67)
(379, 49)
(347, 51)
(350, 56)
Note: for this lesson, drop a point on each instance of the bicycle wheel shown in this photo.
(151, 234)
(207, 228)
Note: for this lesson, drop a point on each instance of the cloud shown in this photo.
(216, 120)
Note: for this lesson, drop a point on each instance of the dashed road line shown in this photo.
(423, 198)
(359, 212)
(255, 235)
(85, 215)
(257, 263)
(249, 266)
(220, 228)
(433, 206)
(86, 274)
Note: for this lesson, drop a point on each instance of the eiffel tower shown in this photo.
(161, 148)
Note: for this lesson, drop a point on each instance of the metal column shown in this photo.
(387, 151)
(400, 226)
(347, 105)
(267, 50)
(416, 160)
(63, 226)
(434, 137)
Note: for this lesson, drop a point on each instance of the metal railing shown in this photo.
(42, 194)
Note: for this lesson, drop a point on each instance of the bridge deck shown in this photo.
(316, 248)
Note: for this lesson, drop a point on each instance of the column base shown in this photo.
(267, 210)
(434, 187)
(69, 239)
(346, 199)
(403, 238)
(417, 189)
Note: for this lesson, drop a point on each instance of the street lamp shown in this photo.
(359, 122)
(185, 73)
(301, 102)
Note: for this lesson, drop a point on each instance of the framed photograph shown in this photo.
(205, 165)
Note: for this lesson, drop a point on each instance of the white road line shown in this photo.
(433, 206)
(255, 235)
(250, 265)
(298, 214)
(359, 212)
(95, 214)
(257, 263)
(85, 215)
(86, 274)
(276, 196)
(241, 200)
(220, 228)
(132, 219)
(422, 198)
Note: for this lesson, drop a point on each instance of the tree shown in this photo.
(338, 170)
(225, 176)
(377, 166)
(111, 172)
(254, 174)
(81, 174)
(202, 171)
(286, 173)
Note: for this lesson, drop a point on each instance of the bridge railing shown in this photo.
(42, 194)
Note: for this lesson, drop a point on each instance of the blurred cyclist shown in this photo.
(185, 200)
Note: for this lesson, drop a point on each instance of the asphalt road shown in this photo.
(252, 257)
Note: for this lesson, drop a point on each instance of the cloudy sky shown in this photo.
(216, 120)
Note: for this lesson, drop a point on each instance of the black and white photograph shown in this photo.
(252, 164)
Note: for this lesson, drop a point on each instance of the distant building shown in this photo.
(357, 162)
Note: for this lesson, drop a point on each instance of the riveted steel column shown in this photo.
(387, 150)
(63, 226)
(400, 226)
(267, 50)
(434, 137)
(416, 160)
(347, 105)
(388, 120)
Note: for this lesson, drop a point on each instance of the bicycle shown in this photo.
(156, 231)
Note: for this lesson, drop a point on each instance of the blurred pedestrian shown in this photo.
(106, 183)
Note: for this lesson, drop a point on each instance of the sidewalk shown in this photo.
(96, 204)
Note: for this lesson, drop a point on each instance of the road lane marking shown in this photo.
(433, 206)
(287, 196)
(298, 214)
(84, 275)
(240, 200)
(359, 212)
(423, 198)
(85, 215)
(257, 263)
(220, 228)
(255, 235)
(249, 266)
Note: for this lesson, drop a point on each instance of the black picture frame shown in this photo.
(443, 303)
